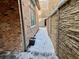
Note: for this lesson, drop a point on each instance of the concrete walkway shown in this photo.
(43, 48)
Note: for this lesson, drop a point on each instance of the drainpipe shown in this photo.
(58, 30)
(22, 24)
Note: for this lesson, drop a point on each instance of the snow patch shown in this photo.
(43, 48)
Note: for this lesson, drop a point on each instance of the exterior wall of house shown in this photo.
(30, 31)
(44, 8)
(52, 5)
(12, 24)
(54, 29)
(65, 35)
(10, 33)
(69, 30)
(52, 22)
(48, 25)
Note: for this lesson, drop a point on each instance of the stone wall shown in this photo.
(69, 30)
(10, 33)
(64, 30)
(48, 25)
(52, 5)
(54, 29)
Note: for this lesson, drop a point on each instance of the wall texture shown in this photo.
(9, 26)
(12, 24)
(69, 30)
(30, 31)
(54, 29)
(64, 30)
(48, 25)
(52, 5)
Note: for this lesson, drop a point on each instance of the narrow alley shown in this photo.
(43, 48)
(39, 29)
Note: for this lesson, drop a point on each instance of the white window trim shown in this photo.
(33, 26)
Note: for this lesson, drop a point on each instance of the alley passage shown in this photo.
(43, 48)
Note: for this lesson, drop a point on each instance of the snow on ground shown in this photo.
(43, 48)
(43, 42)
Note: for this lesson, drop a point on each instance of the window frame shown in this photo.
(32, 14)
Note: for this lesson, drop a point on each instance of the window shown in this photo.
(33, 18)
(32, 13)
(32, 2)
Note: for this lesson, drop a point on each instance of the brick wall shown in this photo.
(52, 5)
(48, 25)
(29, 30)
(11, 26)
(10, 33)
(65, 35)
(54, 29)
(69, 30)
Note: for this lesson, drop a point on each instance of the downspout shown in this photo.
(58, 30)
(22, 24)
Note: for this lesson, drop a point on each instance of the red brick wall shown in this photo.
(9, 25)
(29, 30)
